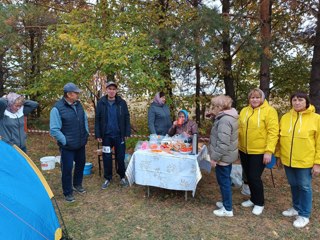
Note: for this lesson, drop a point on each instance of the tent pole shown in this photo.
(272, 178)
(64, 230)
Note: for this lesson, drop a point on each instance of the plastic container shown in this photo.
(272, 162)
(48, 163)
(87, 169)
(58, 159)
(195, 144)
(127, 159)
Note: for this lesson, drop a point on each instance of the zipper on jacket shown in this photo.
(247, 132)
(294, 128)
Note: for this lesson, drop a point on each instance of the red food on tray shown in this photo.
(186, 149)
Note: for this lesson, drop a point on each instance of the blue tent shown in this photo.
(26, 210)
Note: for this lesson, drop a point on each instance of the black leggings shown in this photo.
(253, 168)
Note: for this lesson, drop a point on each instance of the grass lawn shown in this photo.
(127, 213)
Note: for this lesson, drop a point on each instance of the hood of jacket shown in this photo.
(230, 112)
(294, 115)
(157, 104)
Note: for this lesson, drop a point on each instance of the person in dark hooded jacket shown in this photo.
(112, 127)
(159, 120)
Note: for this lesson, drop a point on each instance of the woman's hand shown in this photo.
(175, 123)
(267, 158)
(315, 170)
(213, 163)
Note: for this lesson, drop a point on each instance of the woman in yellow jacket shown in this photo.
(258, 136)
(299, 150)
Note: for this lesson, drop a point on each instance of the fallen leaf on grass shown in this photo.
(140, 228)
(275, 233)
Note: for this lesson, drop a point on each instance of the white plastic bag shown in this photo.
(236, 175)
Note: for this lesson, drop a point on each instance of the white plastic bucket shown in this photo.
(48, 163)
(58, 159)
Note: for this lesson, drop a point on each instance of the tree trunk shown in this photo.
(315, 68)
(2, 74)
(163, 59)
(265, 17)
(197, 41)
(227, 59)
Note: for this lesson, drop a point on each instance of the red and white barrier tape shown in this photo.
(202, 139)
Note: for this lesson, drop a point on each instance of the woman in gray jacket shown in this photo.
(223, 149)
(159, 120)
(13, 108)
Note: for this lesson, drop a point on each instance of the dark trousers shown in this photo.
(253, 167)
(120, 148)
(67, 158)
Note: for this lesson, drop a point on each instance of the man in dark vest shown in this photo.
(112, 127)
(69, 126)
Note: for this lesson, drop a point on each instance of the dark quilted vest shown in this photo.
(73, 126)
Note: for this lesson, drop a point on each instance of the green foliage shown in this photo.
(290, 75)
(131, 143)
(149, 47)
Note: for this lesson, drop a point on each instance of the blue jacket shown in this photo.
(101, 118)
(69, 125)
(159, 120)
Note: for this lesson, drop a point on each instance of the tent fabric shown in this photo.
(26, 210)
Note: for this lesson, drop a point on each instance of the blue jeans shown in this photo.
(301, 189)
(120, 150)
(224, 181)
(67, 158)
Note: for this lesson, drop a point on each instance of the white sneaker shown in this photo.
(222, 212)
(219, 204)
(290, 212)
(245, 190)
(300, 222)
(257, 210)
(247, 203)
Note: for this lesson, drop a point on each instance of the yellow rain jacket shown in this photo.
(258, 129)
(300, 139)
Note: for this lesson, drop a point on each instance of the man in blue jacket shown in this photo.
(69, 126)
(112, 127)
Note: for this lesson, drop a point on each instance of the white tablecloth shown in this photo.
(170, 171)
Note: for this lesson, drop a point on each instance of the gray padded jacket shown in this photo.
(223, 145)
